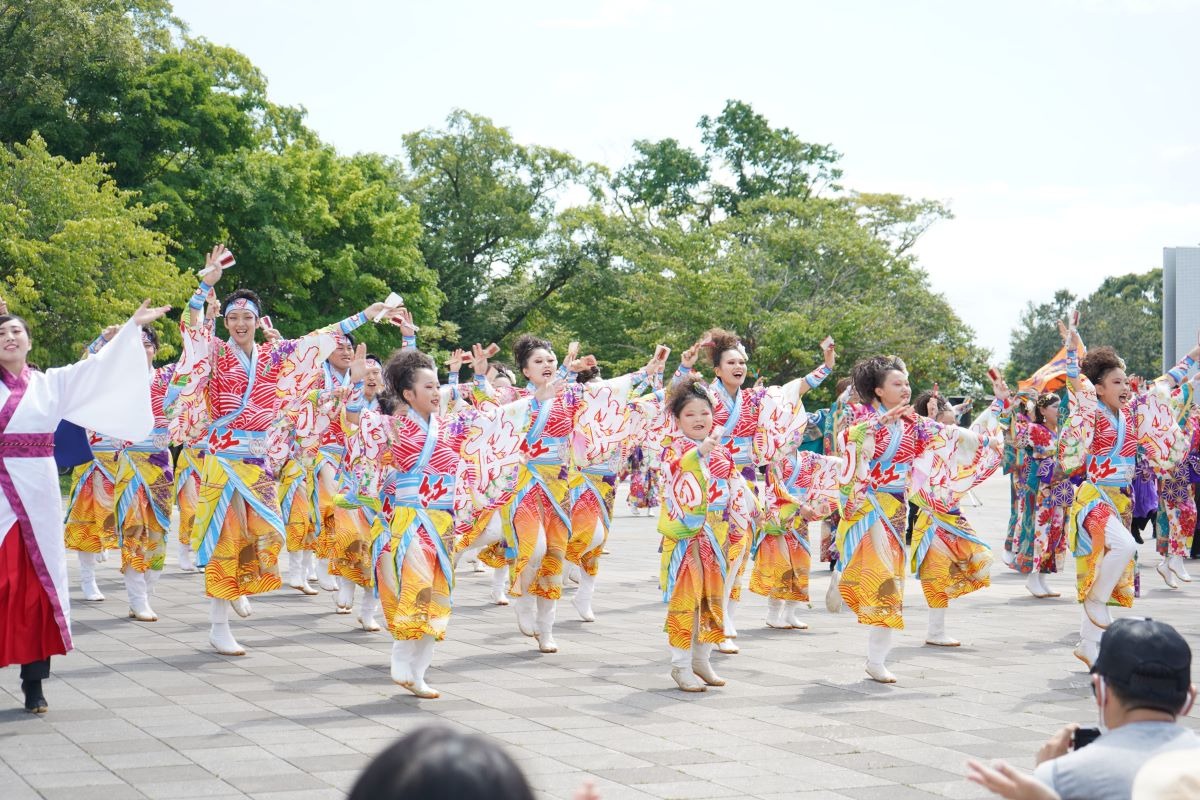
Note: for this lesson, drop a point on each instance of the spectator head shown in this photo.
(1144, 664)
(440, 764)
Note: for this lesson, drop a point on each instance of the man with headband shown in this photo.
(243, 387)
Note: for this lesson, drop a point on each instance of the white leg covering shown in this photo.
(701, 666)
(139, 602)
(344, 602)
(220, 636)
(403, 653)
(879, 643)
(1177, 566)
(297, 566)
(524, 604)
(545, 625)
(499, 595)
(87, 577)
(526, 608)
(583, 596)
(1094, 616)
(324, 579)
(791, 612)
(366, 613)
(310, 565)
(186, 562)
(422, 658)
(936, 635)
(775, 614)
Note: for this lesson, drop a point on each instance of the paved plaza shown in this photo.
(149, 711)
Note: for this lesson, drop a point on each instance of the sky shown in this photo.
(1064, 135)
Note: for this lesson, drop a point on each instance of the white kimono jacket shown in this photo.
(108, 392)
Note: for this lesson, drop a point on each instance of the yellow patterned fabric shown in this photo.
(144, 490)
(531, 509)
(187, 489)
(242, 558)
(350, 542)
(91, 525)
(1087, 540)
(295, 493)
(414, 589)
(872, 584)
(588, 491)
(949, 565)
(782, 562)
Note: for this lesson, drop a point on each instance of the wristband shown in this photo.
(199, 296)
(409, 342)
(349, 324)
(96, 344)
(817, 376)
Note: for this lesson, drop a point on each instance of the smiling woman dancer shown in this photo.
(737, 413)
(882, 445)
(242, 387)
(1098, 445)
(108, 392)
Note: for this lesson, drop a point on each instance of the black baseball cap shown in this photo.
(1147, 661)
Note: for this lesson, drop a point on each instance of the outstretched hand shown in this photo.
(829, 351)
(548, 390)
(213, 270)
(146, 315)
(1003, 779)
(358, 365)
(479, 361)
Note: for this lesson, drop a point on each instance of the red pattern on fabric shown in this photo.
(229, 379)
(28, 629)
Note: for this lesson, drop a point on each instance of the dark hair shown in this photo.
(684, 391)
(387, 402)
(400, 372)
(921, 404)
(504, 369)
(1153, 686)
(589, 374)
(840, 386)
(722, 341)
(435, 763)
(7, 318)
(1099, 362)
(870, 373)
(243, 294)
(525, 345)
(150, 333)
(1044, 401)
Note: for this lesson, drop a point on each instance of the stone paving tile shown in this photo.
(147, 711)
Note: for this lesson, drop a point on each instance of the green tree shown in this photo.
(76, 252)
(487, 207)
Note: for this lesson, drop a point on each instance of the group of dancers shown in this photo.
(377, 479)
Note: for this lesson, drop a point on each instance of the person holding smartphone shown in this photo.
(1142, 684)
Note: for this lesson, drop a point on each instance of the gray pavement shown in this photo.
(148, 711)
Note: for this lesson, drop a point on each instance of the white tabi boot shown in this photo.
(403, 651)
(776, 617)
(186, 562)
(87, 578)
(422, 658)
(681, 671)
(220, 636)
(545, 625)
(526, 609)
(833, 597)
(324, 578)
(297, 566)
(344, 600)
(791, 612)
(701, 666)
(241, 606)
(366, 612)
(139, 601)
(498, 595)
(879, 643)
(1175, 563)
(583, 596)
(936, 634)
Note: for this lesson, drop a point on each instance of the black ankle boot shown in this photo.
(35, 701)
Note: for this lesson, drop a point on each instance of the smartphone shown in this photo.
(661, 353)
(993, 373)
(226, 260)
(1082, 737)
(1075, 319)
(827, 343)
(265, 323)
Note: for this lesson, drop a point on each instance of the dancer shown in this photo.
(642, 470)
(947, 555)
(738, 413)
(413, 570)
(107, 392)
(882, 444)
(1046, 493)
(694, 528)
(536, 522)
(190, 427)
(144, 490)
(243, 385)
(91, 520)
(1177, 506)
(802, 487)
(1097, 446)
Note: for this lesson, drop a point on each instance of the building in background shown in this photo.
(1181, 301)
